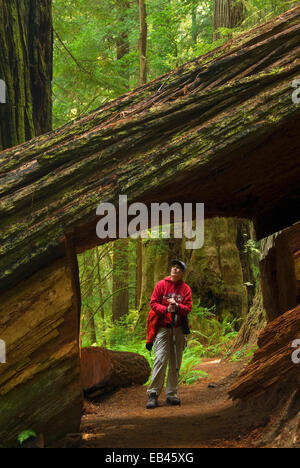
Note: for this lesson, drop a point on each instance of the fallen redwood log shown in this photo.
(103, 370)
(269, 386)
(223, 126)
(272, 362)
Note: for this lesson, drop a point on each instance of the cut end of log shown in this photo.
(103, 370)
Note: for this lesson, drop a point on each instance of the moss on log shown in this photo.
(26, 68)
(223, 126)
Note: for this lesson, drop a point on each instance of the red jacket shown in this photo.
(158, 315)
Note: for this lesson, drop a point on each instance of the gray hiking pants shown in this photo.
(164, 353)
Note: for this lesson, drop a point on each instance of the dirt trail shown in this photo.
(206, 418)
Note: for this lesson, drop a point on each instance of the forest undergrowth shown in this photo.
(210, 337)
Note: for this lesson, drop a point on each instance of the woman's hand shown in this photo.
(172, 304)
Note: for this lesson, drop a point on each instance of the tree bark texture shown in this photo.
(252, 324)
(40, 385)
(122, 41)
(103, 370)
(227, 14)
(149, 259)
(143, 42)
(249, 260)
(139, 270)
(120, 300)
(215, 271)
(88, 325)
(272, 362)
(26, 68)
(279, 271)
(271, 380)
(212, 126)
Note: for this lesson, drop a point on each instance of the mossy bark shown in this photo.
(278, 268)
(227, 14)
(252, 324)
(156, 265)
(215, 271)
(120, 280)
(26, 68)
(249, 255)
(147, 286)
(143, 42)
(210, 127)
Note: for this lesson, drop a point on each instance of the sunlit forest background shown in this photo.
(103, 49)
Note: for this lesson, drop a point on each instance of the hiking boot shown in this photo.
(173, 400)
(152, 403)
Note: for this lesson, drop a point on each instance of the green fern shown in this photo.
(25, 435)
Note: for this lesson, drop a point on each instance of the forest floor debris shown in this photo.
(206, 418)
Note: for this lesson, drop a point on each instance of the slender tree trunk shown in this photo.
(122, 43)
(143, 80)
(194, 26)
(100, 290)
(143, 42)
(162, 265)
(227, 14)
(91, 329)
(88, 325)
(147, 282)
(26, 68)
(139, 270)
(174, 246)
(249, 255)
(120, 279)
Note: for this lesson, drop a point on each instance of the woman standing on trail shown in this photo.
(170, 303)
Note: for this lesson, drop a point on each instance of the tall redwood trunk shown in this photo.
(227, 14)
(26, 68)
(139, 270)
(120, 279)
(120, 248)
(147, 281)
(175, 131)
(143, 42)
(143, 80)
(122, 41)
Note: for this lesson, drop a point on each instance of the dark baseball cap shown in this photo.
(181, 264)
